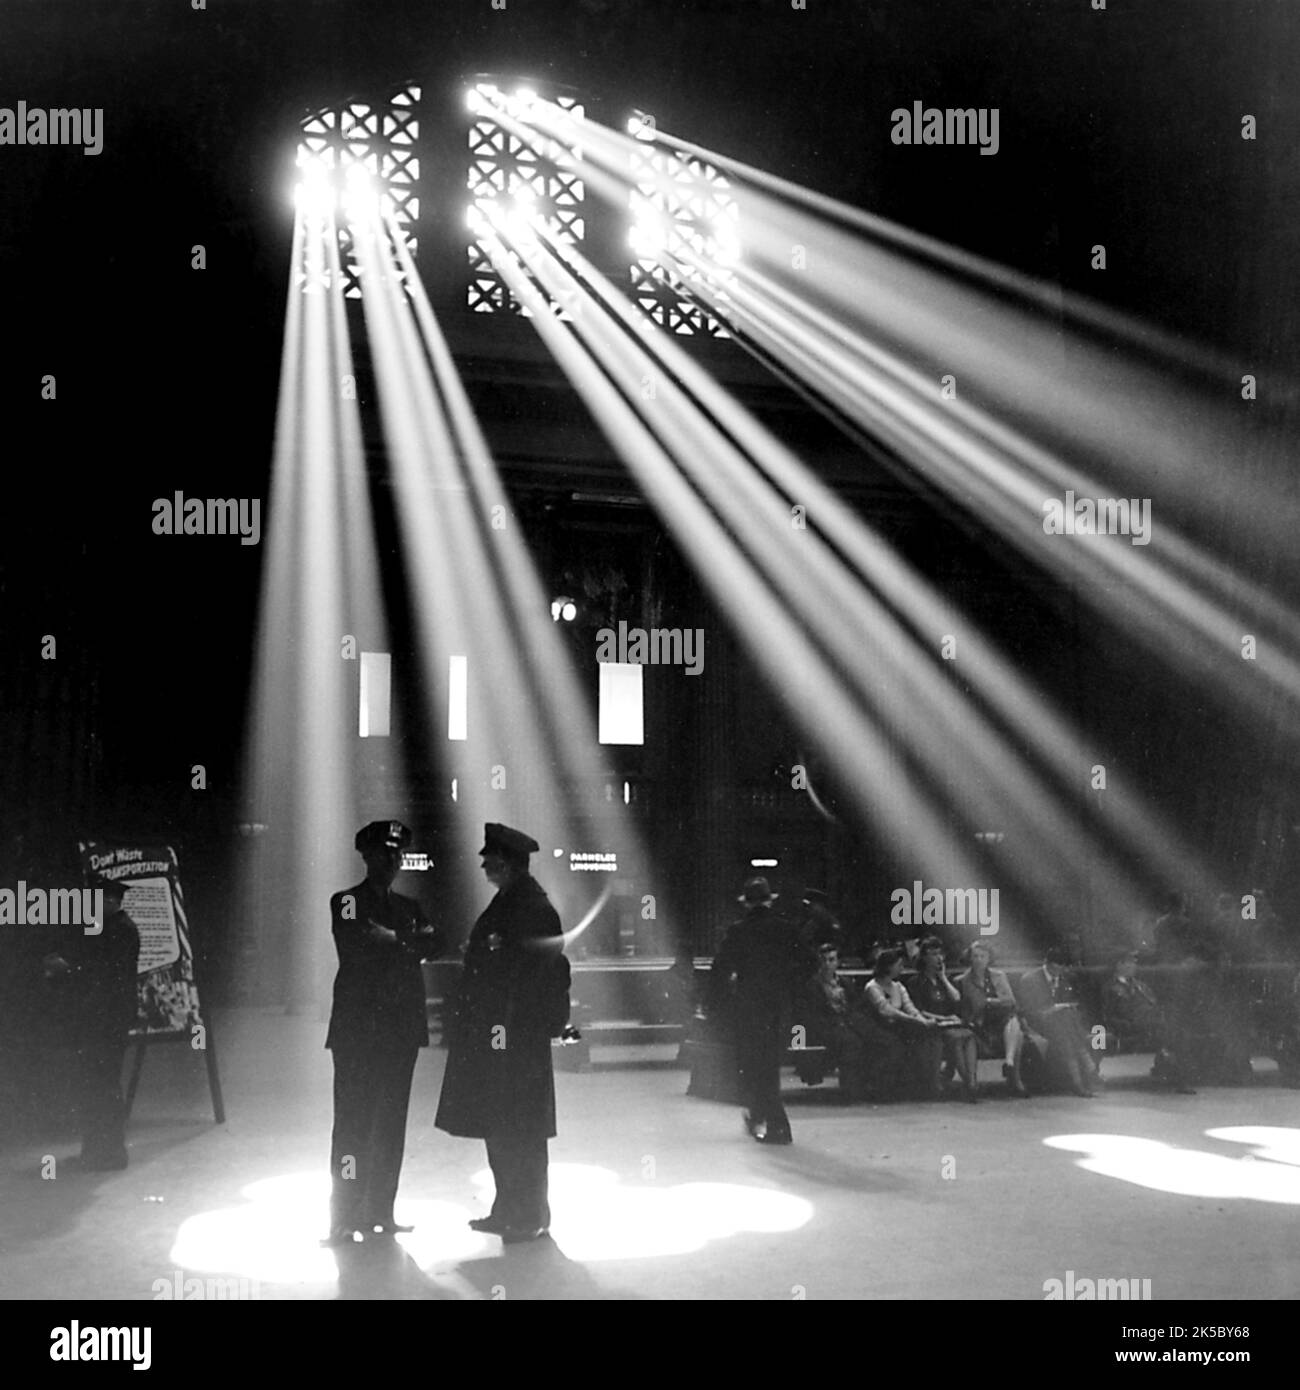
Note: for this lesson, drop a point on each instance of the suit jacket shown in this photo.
(498, 1082)
(759, 965)
(1036, 996)
(975, 1001)
(379, 989)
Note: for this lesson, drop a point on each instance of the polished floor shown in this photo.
(657, 1195)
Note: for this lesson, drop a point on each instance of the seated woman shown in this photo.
(935, 995)
(903, 1044)
(989, 1008)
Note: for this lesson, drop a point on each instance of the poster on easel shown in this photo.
(167, 1002)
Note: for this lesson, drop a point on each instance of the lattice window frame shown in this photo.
(661, 285)
(500, 164)
(382, 138)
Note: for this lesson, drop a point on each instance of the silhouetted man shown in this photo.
(758, 969)
(377, 1026)
(514, 998)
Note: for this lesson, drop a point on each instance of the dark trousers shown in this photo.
(372, 1090)
(519, 1170)
(760, 1045)
(103, 1110)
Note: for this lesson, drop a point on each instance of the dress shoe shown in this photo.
(775, 1136)
(340, 1237)
(971, 1095)
(752, 1125)
(518, 1235)
(492, 1225)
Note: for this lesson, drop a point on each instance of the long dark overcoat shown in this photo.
(379, 990)
(498, 1082)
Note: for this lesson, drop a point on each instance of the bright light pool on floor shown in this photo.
(273, 1236)
(1269, 1172)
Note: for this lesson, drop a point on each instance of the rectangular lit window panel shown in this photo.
(524, 167)
(685, 232)
(458, 697)
(381, 138)
(621, 716)
(376, 694)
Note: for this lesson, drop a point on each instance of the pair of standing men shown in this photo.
(498, 1084)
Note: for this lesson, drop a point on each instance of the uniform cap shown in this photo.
(513, 844)
(390, 834)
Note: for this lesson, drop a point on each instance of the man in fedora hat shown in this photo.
(377, 1026)
(499, 1085)
(757, 969)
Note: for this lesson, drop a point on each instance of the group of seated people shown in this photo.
(924, 1039)
(895, 1040)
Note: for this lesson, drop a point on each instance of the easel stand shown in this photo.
(210, 1052)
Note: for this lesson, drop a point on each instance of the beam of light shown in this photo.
(563, 707)
(477, 595)
(840, 613)
(776, 637)
(1052, 746)
(320, 587)
(1101, 412)
(1190, 1172)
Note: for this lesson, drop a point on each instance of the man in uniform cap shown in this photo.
(499, 1085)
(377, 1026)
